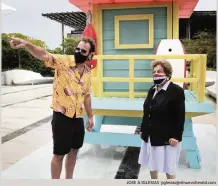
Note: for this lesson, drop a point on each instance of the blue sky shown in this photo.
(28, 19)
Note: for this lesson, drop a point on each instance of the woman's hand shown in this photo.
(173, 142)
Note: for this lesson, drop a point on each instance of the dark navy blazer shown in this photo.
(164, 115)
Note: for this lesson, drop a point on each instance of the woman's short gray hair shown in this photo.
(167, 67)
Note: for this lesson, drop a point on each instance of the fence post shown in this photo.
(131, 78)
(100, 76)
(202, 77)
(191, 73)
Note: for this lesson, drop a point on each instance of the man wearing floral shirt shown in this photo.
(72, 87)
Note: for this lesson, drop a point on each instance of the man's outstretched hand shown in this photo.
(17, 43)
(36, 51)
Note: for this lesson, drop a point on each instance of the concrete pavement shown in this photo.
(27, 144)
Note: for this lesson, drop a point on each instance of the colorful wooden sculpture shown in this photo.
(128, 33)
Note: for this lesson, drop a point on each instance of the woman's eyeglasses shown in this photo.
(80, 50)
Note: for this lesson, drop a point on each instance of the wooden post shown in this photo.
(202, 77)
(100, 76)
(131, 79)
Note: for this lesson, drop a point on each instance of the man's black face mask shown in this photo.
(79, 57)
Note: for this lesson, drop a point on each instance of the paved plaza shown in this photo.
(27, 142)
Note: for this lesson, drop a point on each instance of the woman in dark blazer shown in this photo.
(163, 123)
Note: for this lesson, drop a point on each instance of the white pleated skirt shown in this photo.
(160, 158)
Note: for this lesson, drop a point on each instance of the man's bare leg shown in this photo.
(70, 163)
(154, 174)
(56, 166)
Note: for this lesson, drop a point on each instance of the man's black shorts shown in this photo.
(68, 133)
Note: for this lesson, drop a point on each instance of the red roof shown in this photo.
(186, 7)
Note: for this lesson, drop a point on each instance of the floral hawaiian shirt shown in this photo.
(69, 89)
